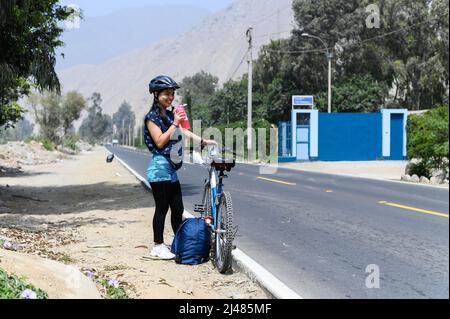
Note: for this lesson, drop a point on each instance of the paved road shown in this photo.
(318, 233)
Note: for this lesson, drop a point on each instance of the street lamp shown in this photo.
(329, 57)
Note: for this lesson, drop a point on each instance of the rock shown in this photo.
(407, 168)
(415, 179)
(4, 210)
(436, 180)
(424, 180)
(406, 178)
(411, 163)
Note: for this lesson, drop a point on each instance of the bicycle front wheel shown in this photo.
(207, 200)
(224, 236)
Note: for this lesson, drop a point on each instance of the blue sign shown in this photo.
(302, 100)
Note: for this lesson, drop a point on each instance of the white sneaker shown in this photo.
(161, 251)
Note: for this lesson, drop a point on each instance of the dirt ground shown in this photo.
(96, 216)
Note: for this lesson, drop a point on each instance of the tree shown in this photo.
(72, 104)
(229, 103)
(55, 114)
(19, 132)
(97, 126)
(48, 115)
(358, 94)
(408, 53)
(418, 56)
(197, 90)
(123, 120)
(29, 35)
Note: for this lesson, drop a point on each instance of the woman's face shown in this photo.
(165, 98)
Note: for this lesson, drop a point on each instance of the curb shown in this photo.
(241, 261)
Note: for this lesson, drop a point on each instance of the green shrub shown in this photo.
(114, 292)
(428, 140)
(71, 141)
(48, 145)
(420, 169)
(12, 287)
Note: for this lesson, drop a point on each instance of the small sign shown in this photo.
(298, 100)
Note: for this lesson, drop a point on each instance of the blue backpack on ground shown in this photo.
(192, 242)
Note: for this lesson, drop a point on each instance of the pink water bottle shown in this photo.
(180, 110)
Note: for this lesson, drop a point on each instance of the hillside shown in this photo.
(217, 45)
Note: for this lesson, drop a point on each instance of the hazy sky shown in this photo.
(94, 8)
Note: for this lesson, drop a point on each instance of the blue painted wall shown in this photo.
(350, 136)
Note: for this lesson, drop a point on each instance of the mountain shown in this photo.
(218, 45)
(101, 38)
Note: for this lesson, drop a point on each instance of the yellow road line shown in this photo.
(414, 209)
(276, 181)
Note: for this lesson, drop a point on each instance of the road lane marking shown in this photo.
(414, 209)
(276, 181)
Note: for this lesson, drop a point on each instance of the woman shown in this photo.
(161, 132)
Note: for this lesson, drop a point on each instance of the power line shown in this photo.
(297, 51)
(357, 43)
(270, 34)
(269, 16)
(240, 63)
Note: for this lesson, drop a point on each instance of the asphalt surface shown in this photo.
(327, 236)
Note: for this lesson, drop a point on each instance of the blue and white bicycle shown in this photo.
(216, 208)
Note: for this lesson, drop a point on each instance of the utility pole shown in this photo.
(250, 98)
(129, 134)
(329, 56)
(123, 132)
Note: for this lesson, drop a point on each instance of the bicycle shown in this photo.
(216, 209)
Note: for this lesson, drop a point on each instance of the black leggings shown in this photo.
(166, 194)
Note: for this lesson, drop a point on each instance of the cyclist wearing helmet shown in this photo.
(161, 134)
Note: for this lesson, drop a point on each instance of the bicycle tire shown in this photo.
(223, 241)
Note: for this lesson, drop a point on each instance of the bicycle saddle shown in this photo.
(223, 164)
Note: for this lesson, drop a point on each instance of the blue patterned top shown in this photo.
(159, 168)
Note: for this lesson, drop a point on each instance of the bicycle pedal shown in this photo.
(199, 208)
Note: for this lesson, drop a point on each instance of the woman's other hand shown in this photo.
(209, 142)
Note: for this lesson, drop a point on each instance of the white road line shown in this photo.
(248, 265)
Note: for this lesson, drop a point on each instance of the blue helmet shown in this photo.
(162, 82)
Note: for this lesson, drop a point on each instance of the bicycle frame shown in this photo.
(216, 184)
(216, 190)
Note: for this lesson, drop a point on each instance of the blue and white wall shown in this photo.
(344, 136)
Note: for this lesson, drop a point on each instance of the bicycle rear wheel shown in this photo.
(223, 241)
